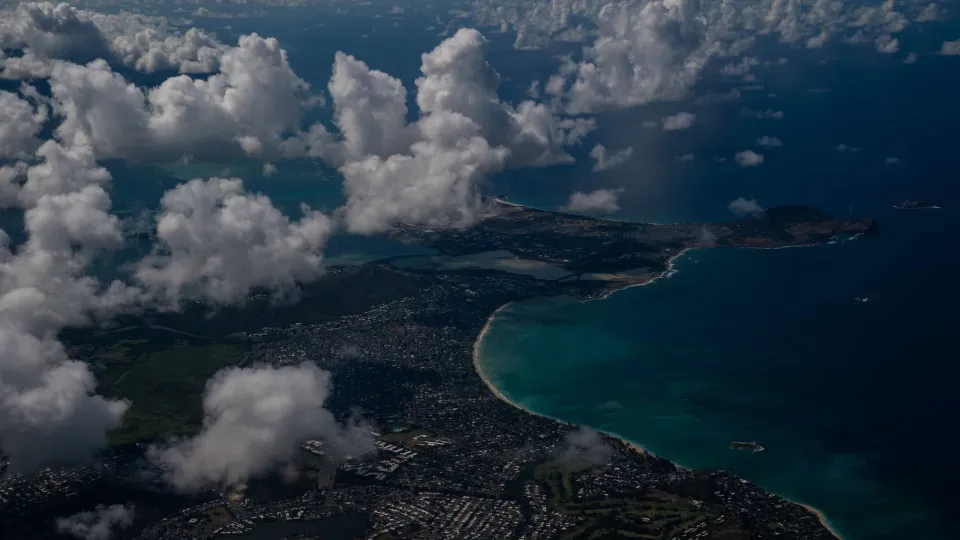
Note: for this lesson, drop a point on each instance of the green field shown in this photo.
(650, 515)
(165, 386)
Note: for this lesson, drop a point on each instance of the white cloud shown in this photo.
(890, 160)
(950, 48)
(685, 158)
(436, 183)
(20, 125)
(929, 13)
(46, 32)
(744, 207)
(429, 171)
(248, 106)
(845, 148)
(643, 53)
(741, 69)
(888, 45)
(59, 171)
(679, 121)
(215, 242)
(769, 142)
(768, 114)
(269, 169)
(748, 158)
(585, 446)
(457, 78)
(254, 422)
(604, 161)
(48, 412)
(646, 51)
(42, 285)
(370, 107)
(600, 200)
(98, 524)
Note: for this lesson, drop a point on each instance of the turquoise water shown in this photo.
(854, 402)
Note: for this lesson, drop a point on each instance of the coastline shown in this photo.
(662, 275)
(478, 367)
(821, 517)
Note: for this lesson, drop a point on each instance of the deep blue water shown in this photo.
(855, 402)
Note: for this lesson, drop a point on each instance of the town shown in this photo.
(451, 460)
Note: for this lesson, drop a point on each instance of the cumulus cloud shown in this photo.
(930, 13)
(47, 32)
(643, 53)
(604, 161)
(768, 114)
(48, 411)
(748, 158)
(60, 171)
(20, 123)
(254, 422)
(769, 142)
(370, 108)
(436, 183)
(585, 447)
(740, 69)
(706, 237)
(248, 106)
(950, 48)
(430, 171)
(457, 78)
(646, 51)
(744, 207)
(887, 44)
(53, 31)
(99, 524)
(215, 242)
(681, 120)
(600, 200)
(845, 148)
(43, 286)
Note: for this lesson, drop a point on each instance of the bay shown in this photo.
(854, 401)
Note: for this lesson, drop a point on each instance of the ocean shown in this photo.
(854, 401)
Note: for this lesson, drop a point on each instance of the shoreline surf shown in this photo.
(637, 447)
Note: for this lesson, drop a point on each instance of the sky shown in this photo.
(412, 140)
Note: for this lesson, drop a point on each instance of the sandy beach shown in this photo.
(822, 518)
(670, 270)
(478, 367)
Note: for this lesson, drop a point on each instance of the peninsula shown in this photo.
(453, 460)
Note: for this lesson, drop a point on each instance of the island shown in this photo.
(746, 446)
(915, 205)
(453, 458)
